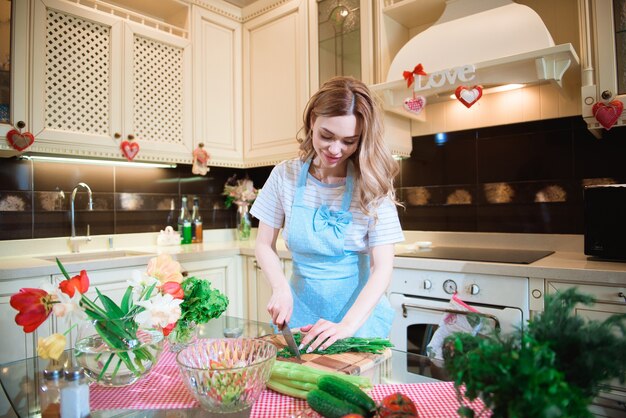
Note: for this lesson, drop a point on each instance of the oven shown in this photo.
(421, 298)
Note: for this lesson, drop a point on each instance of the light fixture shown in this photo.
(498, 89)
(92, 161)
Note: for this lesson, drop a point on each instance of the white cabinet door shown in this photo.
(97, 79)
(221, 272)
(259, 291)
(17, 344)
(217, 57)
(276, 82)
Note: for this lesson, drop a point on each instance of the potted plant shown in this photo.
(552, 368)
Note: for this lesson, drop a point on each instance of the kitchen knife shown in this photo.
(293, 347)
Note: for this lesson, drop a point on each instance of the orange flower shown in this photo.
(164, 269)
(34, 306)
(79, 282)
(173, 289)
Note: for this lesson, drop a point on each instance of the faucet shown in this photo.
(74, 240)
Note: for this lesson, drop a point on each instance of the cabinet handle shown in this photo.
(20, 124)
(606, 94)
(406, 306)
(256, 265)
(622, 295)
(117, 135)
(131, 137)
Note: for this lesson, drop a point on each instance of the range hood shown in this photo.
(491, 43)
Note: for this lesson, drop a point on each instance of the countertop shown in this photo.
(21, 259)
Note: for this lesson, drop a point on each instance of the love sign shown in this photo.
(450, 76)
(607, 114)
(415, 104)
(468, 95)
(129, 149)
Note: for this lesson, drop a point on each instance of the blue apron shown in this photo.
(327, 278)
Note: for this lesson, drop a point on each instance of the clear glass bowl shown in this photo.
(226, 374)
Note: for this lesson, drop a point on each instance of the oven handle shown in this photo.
(452, 311)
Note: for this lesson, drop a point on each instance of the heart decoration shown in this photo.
(129, 149)
(20, 141)
(415, 104)
(468, 95)
(607, 114)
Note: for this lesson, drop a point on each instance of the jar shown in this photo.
(50, 393)
(75, 394)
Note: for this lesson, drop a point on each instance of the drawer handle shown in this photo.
(622, 295)
(406, 306)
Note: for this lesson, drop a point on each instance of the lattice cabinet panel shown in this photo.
(78, 74)
(157, 91)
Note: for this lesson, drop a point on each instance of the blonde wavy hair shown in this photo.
(375, 168)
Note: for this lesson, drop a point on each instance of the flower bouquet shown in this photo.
(118, 344)
(242, 193)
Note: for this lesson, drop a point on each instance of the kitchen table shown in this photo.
(147, 398)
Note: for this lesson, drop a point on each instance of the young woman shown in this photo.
(336, 205)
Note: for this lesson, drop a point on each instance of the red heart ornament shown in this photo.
(20, 141)
(468, 95)
(129, 149)
(415, 104)
(607, 114)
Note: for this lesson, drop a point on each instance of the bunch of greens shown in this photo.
(552, 369)
(352, 344)
(201, 304)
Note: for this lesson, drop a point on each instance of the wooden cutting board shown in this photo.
(363, 364)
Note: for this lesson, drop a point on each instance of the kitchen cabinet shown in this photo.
(276, 82)
(258, 289)
(21, 344)
(17, 73)
(218, 121)
(99, 79)
(223, 275)
(610, 300)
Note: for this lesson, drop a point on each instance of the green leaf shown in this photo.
(67, 276)
(127, 300)
(113, 311)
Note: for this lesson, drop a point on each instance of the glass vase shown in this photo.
(116, 352)
(181, 337)
(244, 221)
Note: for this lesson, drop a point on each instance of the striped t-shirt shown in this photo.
(273, 207)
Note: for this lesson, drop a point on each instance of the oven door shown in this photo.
(416, 321)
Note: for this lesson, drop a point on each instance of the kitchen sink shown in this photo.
(103, 255)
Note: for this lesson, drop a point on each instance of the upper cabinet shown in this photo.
(218, 121)
(99, 79)
(275, 81)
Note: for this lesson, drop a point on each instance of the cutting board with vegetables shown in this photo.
(350, 363)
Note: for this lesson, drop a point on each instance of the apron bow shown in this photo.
(325, 218)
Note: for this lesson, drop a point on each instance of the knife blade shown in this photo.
(293, 347)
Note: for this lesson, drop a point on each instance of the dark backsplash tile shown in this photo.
(15, 175)
(54, 176)
(142, 180)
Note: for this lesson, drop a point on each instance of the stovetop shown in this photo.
(493, 255)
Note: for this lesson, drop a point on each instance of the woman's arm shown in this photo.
(280, 305)
(324, 333)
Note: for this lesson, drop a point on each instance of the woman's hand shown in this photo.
(280, 305)
(324, 334)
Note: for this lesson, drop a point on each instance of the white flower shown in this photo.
(160, 311)
(141, 281)
(68, 307)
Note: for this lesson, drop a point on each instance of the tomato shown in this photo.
(397, 405)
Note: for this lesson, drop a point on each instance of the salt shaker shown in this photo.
(50, 393)
(75, 394)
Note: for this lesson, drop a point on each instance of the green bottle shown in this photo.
(184, 223)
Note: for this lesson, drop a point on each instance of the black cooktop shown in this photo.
(494, 255)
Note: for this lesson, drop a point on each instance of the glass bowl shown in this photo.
(226, 374)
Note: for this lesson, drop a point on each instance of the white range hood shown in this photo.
(476, 42)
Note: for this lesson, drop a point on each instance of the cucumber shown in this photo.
(348, 392)
(329, 406)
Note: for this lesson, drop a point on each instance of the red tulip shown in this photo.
(79, 282)
(168, 329)
(34, 306)
(173, 289)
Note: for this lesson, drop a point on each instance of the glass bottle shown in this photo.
(196, 221)
(50, 393)
(184, 223)
(244, 221)
(171, 215)
(75, 394)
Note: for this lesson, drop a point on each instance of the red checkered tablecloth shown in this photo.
(163, 388)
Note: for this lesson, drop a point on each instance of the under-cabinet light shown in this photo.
(91, 161)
